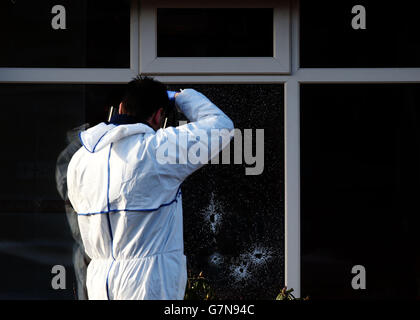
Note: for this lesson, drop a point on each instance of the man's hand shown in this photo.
(172, 95)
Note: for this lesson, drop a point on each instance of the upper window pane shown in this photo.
(389, 40)
(215, 32)
(96, 34)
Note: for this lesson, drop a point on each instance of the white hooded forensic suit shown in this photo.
(124, 184)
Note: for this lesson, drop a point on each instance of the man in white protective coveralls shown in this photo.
(124, 183)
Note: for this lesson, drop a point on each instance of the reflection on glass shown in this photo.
(40, 123)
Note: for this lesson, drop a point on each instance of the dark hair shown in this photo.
(144, 96)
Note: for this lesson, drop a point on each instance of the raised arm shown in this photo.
(182, 150)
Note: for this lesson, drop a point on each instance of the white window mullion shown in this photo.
(292, 185)
(292, 222)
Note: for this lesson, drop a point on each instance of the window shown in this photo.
(360, 181)
(390, 39)
(233, 222)
(35, 232)
(340, 153)
(214, 37)
(97, 34)
(38, 110)
(215, 32)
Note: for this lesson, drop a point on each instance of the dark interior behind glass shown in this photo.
(360, 180)
(215, 32)
(391, 37)
(97, 34)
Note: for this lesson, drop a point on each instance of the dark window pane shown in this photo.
(37, 111)
(34, 233)
(215, 32)
(390, 39)
(233, 223)
(360, 165)
(97, 34)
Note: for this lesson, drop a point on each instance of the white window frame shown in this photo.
(291, 81)
(150, 64)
